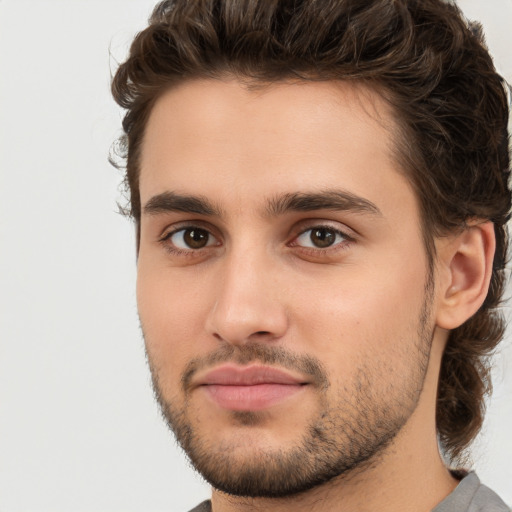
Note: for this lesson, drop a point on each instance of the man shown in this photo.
(320, 195)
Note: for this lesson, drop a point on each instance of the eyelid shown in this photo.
(303, 238)
(188, 224)
(165, 239)
(346, 233)
(210, 240)
(310, 224)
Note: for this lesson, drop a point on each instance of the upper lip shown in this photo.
(232, 375)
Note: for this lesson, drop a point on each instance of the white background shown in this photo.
(79, 430)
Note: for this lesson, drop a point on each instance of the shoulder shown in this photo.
(205, 506)
(472, 496)
(486, 500)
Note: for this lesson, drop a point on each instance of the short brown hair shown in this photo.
(426, 60)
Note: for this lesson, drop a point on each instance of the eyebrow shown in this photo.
(336, 200)
(173, 202)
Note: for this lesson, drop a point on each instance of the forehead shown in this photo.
(225, 140)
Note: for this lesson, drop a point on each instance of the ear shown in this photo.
(464, 273)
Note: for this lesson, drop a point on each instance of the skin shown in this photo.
(365, 308)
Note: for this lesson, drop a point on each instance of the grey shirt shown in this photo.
(469, 496)
(472, 496)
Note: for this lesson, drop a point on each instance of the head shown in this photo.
(207, 78)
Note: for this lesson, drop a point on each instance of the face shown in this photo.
(282, 281)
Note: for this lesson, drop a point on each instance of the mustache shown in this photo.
(258, 353)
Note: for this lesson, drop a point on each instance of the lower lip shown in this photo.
(251, 398)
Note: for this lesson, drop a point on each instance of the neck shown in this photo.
(408, 475)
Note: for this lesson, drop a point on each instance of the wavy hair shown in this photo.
(450, 105)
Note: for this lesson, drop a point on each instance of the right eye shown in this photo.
(191, 238)
(321, 237)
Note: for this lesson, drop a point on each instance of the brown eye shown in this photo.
(192, 238)
(320, 237)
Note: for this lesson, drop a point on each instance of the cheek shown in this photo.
(171, 314)
(359, 313)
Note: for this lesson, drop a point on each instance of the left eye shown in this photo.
(191, 238)
(320, 237)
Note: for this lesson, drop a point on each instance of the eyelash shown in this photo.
(316, 251)
(331, 249)
(177, 251)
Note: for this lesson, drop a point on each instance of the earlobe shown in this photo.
(464, 275)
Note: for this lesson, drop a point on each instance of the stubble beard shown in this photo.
(346, 438)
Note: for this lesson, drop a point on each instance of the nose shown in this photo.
(249, 301)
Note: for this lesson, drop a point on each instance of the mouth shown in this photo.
(250, 388)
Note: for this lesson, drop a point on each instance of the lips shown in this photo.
(249, 388)
(230, 375)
